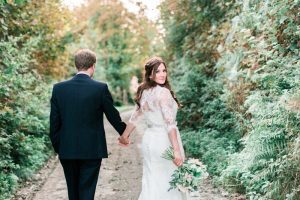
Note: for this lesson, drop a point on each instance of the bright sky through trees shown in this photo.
(151, 12)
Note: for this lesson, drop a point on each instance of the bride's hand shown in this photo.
(177, 158)
(124, 141)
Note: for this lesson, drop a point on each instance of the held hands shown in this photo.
(124, 140)
(178, 161)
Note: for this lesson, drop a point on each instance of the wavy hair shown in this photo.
(150, 67)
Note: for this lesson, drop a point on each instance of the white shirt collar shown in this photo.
(82, 72)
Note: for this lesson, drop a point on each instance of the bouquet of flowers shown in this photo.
(188, 176)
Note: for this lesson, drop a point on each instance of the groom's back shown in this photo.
(80, 103)
(80, 100)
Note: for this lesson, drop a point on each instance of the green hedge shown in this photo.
(209, 130)
(32, 52)
(236, 64)
(24, 143)
(263, 40)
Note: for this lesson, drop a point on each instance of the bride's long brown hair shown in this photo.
(150, 68)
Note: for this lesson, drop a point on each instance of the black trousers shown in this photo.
(81, 177)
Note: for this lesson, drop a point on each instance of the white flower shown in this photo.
(195, 161)
(193, 166)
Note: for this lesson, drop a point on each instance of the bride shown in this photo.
(157, 103)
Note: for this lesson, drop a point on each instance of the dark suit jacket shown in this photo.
(76, 118)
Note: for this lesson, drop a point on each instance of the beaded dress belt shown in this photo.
(155, 126)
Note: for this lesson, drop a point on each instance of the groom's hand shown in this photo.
(123, 141)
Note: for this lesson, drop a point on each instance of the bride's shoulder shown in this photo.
(162, 91)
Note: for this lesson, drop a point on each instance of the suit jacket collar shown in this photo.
(81, 76)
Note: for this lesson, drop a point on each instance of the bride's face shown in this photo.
(160, 74)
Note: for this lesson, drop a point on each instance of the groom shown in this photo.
(76, 126)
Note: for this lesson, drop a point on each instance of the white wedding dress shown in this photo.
(159, 111)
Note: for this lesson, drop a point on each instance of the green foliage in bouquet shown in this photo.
(188, 176)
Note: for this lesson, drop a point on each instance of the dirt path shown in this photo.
(120, 175)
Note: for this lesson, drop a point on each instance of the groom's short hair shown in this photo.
(84, 59)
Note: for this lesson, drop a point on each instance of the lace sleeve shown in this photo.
(136, 115)
(166, 105)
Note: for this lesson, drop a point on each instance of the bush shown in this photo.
(262, 39)
(237, 69)
(24, 111)
(209, 130)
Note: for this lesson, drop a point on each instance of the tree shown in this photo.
(121, 39)
(45, 20)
